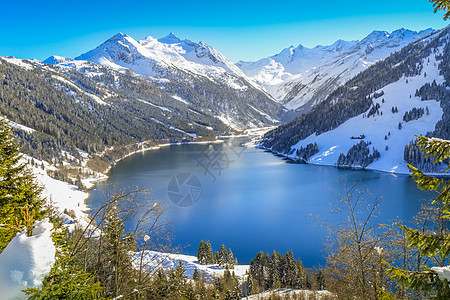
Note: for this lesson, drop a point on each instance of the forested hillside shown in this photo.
(412, 79)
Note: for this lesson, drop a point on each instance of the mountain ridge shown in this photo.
(300, 77)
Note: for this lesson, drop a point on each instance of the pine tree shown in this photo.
(222, 258)
(429, 244)
(209, 254)
(250, 286)
(196, 275)
(231, 261)
(66, 279)
(20, 202)
(201, 253)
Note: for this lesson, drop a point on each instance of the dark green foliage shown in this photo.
(414, 156)
(358, 156)
(442, 5)
(205, 254)
(413, 114)
(222, 257)
(305, 153)
(20, 202)
(276, 271)
(435, 244)
(354, 97)
(66, 279)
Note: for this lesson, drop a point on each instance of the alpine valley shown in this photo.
(352, 104)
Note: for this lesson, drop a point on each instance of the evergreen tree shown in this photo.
(196, 275)
(201, 253)
(434, 244)
(222, 258)
(442, 5)
(20, 202)
(231, 261)
(209, 254)
(250, 286)
(289, 276)
(66, 279)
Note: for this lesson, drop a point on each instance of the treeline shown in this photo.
(415, 114)
(351, 99)
(305, 153)
(358, 156)
(222, 257)
(279, 271)
(414, 156)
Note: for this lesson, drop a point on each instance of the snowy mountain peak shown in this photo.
(171, 38)
(55, 59)
(302, 77)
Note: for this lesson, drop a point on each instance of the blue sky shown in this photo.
(240, 29)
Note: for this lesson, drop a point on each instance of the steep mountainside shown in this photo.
(301, 78)
(371, 120)
(189, 67)
(125, 93)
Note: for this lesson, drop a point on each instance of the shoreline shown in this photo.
(301, 161)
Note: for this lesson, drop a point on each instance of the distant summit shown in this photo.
(301, 77)
(169, 39)
(55, 59)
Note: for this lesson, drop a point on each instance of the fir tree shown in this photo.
(66, 279)
(231, 261)
(209, 254)
(222, 258)
(196, 275)
(201, 253)
(433, 245)
(20, 202)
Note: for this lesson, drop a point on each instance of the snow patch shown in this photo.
(26, 261)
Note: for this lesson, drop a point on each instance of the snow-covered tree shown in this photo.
(20, 201)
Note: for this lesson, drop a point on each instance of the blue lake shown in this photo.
(251, 200)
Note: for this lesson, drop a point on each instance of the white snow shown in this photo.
(19, 62)
(153, 259)
(21, 127)
(174, 128)
(443, 272)
(305, 294)
(149, 103)
(316, 72)
(337, 141)
(26, 261)
(94, 97)
(180, 99)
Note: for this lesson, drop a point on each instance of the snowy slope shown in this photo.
(393, 82)
(195, 72)
(337, 141)
(26, 261)
(155, 260)
(301, 77)
(163, 57)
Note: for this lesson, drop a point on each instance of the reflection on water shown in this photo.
(250, 199)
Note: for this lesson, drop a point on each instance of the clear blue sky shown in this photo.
(240, 29)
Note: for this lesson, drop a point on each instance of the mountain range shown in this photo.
(300, 77)
(371, 120)
(176, 90)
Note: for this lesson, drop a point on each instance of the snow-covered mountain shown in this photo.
(194, 72)
(371, 121)
(163, 57)
(301, 78)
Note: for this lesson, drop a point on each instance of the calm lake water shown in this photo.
(251, 200)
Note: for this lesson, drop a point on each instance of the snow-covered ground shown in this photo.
(26, 261)
(167, 261)
(332, 143)
(307, 294)
(298, 75)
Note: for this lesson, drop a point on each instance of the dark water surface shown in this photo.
(251, 200)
